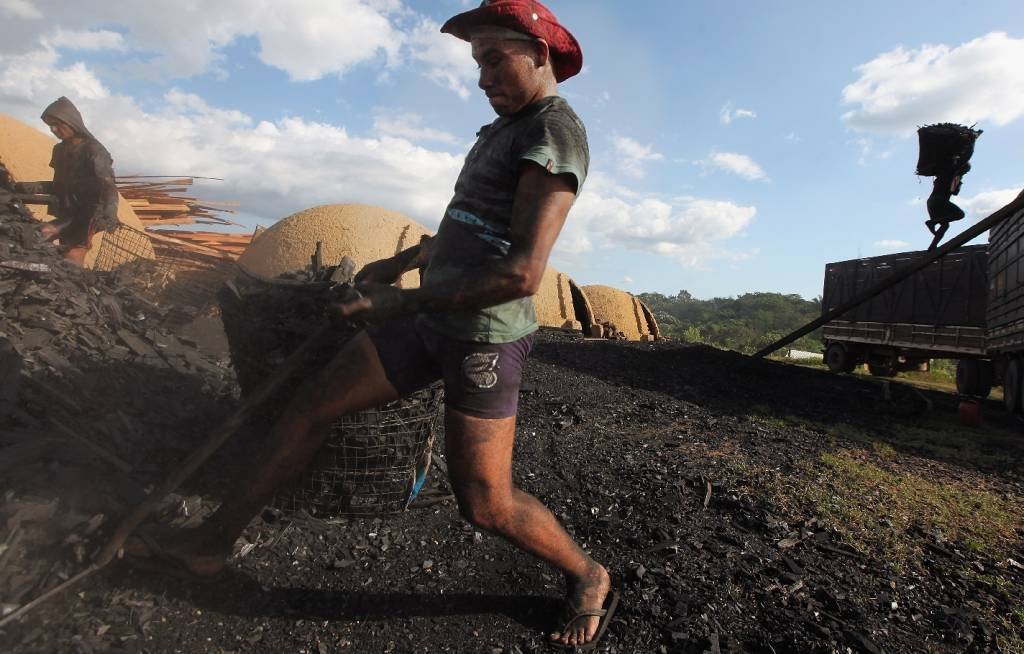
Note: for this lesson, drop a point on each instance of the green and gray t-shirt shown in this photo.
(476, 226)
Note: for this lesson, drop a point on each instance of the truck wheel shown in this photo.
(967, 377)
(838, 359)
(1011, 386)
(986, 377)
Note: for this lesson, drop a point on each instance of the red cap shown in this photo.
(529, 17)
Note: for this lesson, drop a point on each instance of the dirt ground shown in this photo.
(669, 463)
(741, 506)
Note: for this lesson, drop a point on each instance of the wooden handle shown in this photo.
(213, 442)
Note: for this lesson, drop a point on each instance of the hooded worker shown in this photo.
(83, 187)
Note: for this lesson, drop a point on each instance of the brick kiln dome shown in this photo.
(629, 315)
(25, 151)
(561, 303)
(363, 232)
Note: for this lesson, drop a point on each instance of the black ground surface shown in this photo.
(666, 462)
(621, 442)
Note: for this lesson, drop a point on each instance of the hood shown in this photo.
(65, 111)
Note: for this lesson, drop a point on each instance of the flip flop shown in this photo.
(606, 614)
(161, 561)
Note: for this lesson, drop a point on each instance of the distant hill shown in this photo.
(745, 323)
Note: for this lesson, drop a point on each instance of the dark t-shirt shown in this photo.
(476, 226)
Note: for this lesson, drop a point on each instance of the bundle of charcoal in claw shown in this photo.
(373, 461)
(944, 148)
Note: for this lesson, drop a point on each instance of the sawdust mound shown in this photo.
(25, 151)
(629, 315)
(363, 232)
(561, 303)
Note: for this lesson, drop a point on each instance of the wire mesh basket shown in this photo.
(123, 246)
(162, 268)
(374, 461)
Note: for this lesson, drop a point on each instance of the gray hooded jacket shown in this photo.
(83, 180)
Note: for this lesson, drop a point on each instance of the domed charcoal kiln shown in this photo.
(373, 461)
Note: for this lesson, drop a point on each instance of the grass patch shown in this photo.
(873, 506)
(884, 450)
(938, 437)
(984, 446)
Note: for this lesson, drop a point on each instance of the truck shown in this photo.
(968, 306)
(937, 313)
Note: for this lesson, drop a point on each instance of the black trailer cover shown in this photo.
(950, 292)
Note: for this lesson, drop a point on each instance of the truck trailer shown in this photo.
(968, 305)
(938, 313)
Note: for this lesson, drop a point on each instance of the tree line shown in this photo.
(745, 323)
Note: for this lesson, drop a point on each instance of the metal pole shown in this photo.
(980, 228)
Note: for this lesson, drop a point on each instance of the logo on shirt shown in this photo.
(480, 368)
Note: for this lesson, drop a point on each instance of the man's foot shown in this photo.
(583, 595)
(175, 551)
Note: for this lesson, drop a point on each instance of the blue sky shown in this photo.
(736, 146)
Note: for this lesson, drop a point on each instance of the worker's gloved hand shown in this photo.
(374, 302)
(384, 271)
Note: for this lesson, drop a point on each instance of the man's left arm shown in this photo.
(542, 202)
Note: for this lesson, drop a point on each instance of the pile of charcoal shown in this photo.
(58, 317)
(92, 383)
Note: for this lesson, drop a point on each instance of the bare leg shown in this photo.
(480, 464)
(939, 233)
(354, 380)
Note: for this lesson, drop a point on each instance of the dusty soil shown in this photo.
(688, 471)
(621, 442)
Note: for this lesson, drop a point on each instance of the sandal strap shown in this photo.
(579, 615)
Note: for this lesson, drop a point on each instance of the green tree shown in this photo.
(745, 323)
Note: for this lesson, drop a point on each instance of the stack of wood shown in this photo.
(160, 201)
(232, 244)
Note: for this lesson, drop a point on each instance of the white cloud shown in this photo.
(687, 229)
(984, 203)
(738, 164)
(633, 156)
(410, 126)
(85, 40)
(22, 9)
(272, 168)
(892, 245)
(981, 80)
(33, 80)
(627, 280)
(728, 114)
(310, 39)
(867, 149)
(447, 59)
(307, 39)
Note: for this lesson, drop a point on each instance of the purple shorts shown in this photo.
(480, 379)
